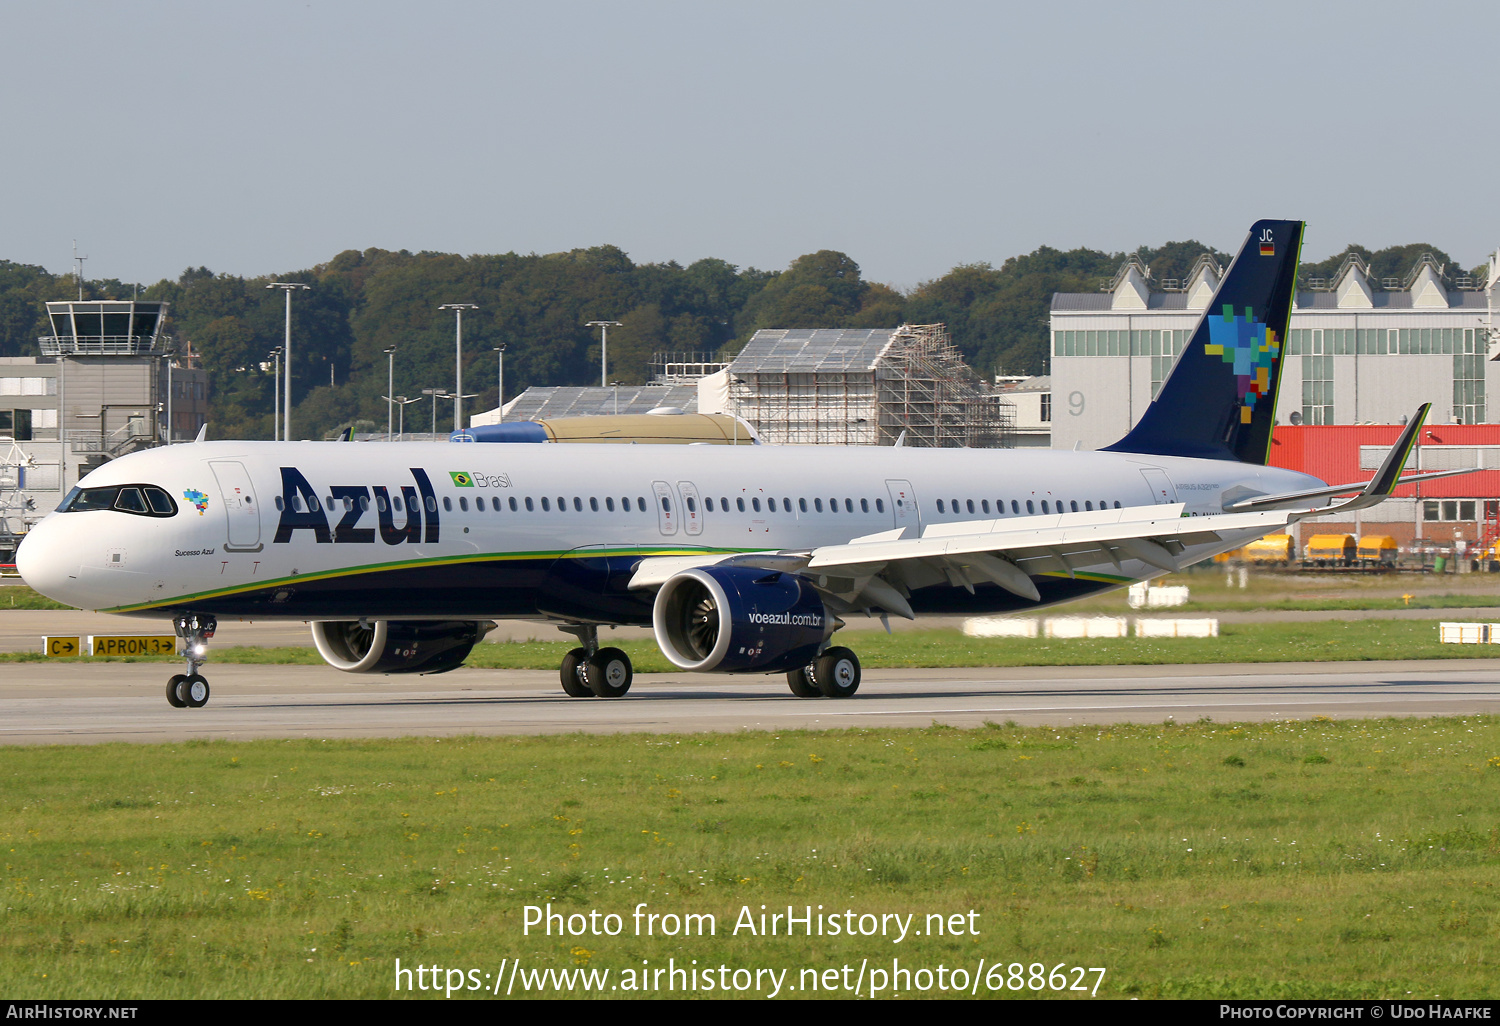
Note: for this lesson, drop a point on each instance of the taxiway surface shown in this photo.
(81, 704)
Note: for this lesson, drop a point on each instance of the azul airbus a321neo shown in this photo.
(741, 559)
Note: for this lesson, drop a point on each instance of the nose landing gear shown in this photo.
(190, 690)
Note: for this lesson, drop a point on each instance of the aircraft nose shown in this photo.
(47, 562)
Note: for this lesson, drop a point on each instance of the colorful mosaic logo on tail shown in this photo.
(197, 498)
(1251, 347)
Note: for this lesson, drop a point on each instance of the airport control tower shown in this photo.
(121, 383)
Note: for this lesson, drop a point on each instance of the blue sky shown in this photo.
(266, 137)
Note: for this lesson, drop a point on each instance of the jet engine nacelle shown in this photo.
(397, 646)
(739, 620)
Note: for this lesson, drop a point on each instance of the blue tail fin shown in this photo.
(1219, 401)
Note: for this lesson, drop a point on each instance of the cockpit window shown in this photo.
(161, 503)
(131, 500)
(139, 499)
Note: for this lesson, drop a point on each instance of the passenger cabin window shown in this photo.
(864, 505)
(802, 505)
(818, 504)
(529, 507)
(755, 504)
(879, 505)
(577, 504)
(447, 504)
(609, 504)
(463, 503)
(546, 504)
(593, 504)
(940, 506)
(513, 504)
(740, 503)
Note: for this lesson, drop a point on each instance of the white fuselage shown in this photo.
(545, 530)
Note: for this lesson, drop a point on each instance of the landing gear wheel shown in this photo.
(572, 675)
(194, 690)
(801, 683)
(174, 699)
(837, 672)
(609, 673)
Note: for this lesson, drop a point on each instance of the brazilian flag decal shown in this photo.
(460, 479)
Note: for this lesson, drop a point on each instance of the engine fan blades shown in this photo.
(703, 626)
(359, 638)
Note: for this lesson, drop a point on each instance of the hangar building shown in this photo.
(1361, 353)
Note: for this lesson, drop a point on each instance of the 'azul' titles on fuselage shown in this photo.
(302, 510)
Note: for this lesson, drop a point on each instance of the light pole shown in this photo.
(276, 403)
(390, 387)
(466, 395)
(500, 393)
(403, 402)
(288, 287)
(458, 361)
(436, 393)
(604, 327)
(616, 386)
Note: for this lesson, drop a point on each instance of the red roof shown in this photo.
(1331, 453)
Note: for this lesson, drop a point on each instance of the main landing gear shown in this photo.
(834, 674)
(190, 690)
(591, 671)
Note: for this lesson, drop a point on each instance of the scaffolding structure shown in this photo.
(865, 386)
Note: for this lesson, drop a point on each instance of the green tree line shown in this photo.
(537, 307)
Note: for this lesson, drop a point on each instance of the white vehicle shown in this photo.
(741, 559)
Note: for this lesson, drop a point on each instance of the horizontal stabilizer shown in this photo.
(1376, 490)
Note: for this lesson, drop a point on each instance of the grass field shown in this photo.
(19, 596)
(1237, 643)
(1315, 859)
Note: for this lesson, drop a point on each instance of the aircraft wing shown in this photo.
(874, 570)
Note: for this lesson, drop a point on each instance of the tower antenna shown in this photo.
(79, 261)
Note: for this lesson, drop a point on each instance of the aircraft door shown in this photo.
(1162, 492)
(666, 507)
(692, 507)
(904, 509)
(240, 507)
